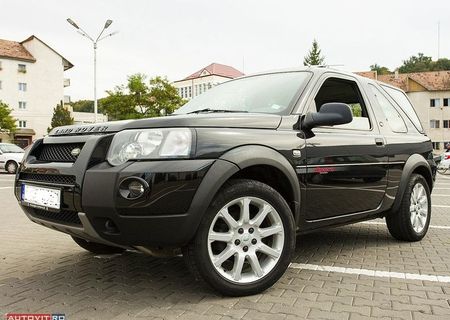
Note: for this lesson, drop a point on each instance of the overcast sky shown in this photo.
(175, 38)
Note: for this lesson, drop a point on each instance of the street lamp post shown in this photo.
(94, 42)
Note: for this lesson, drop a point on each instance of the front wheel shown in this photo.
(245, 241)
(11, 167)
(411, 221)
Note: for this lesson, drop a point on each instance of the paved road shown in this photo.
(352, 272)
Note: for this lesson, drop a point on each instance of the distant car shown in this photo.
(10, 157)
(444, 164)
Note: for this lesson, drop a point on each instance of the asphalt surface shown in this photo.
(351, 272)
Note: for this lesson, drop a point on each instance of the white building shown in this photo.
(205, 79)
(429, 93)
(32, 84)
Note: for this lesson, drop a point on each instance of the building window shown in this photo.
(446, 102)
(436, 145)
(434, 124)
(22, 86)
(446, 124)
(22, 68)
(22, 123)
(0, 65)
(22, 105)
(0, 85)
(435, 102)
(190, 92)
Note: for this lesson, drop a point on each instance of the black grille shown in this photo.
(49, 178)
(63, 216)
(58, 152)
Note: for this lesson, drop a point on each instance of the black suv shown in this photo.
(234, 175)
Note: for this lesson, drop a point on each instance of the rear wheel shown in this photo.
(411, 221)
(11, 167)
(245, 241)
(97, 248)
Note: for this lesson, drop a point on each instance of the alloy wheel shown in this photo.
(245, 240)
(418, 208)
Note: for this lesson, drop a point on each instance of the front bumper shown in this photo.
(168, 215)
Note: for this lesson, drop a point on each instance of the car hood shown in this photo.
(220, 120)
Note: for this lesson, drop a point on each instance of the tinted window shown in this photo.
(401, 99)
(269, 93)
(393, 118)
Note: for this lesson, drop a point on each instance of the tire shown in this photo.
(247, 249)
(97, 248)
(411, 221)
(11, 167)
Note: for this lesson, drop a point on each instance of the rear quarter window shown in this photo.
(393, 118)
(403, 102)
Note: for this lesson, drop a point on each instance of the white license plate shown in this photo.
(40, 196)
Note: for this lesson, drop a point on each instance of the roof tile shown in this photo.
(14, 50)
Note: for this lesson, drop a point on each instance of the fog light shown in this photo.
(133, 188)
(136, 189)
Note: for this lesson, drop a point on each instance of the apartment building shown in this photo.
(32, 84)
(204, 79)
(429, 93)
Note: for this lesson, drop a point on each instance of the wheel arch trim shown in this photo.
(414, 162)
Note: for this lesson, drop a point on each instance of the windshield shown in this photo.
(10, 148)
(269, 93)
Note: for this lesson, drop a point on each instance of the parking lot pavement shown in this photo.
(351, 272)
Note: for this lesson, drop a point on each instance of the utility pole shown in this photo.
(94, 42)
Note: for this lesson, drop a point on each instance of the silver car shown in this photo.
(10, 157)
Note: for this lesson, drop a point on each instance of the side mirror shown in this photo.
(330, 114)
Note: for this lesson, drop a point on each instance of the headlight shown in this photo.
(150, 144)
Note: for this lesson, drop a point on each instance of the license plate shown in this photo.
(41, 196)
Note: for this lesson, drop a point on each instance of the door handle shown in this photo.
(379, 141)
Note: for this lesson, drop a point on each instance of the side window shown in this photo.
(393, 118)
(400, 98)
(344, 91)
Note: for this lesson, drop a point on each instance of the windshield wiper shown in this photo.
(210, 110)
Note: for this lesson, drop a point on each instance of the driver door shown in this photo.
(346, 169)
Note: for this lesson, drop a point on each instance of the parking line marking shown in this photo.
(438, 188)
(6, 187)
(383, 223)
(440, 206)
(371, 273)
(440, 195)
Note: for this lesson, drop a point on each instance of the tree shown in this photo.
(140, 98)
(61, 117)
(379, 69)
(83, 106)
(314, 58)
(419, 63)
(441, 64)
(7, 122)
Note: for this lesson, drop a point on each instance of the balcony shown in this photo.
(67, 99)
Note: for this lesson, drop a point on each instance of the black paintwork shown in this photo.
(329, 176)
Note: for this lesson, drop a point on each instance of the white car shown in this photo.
(10, 157)
(444, 164)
